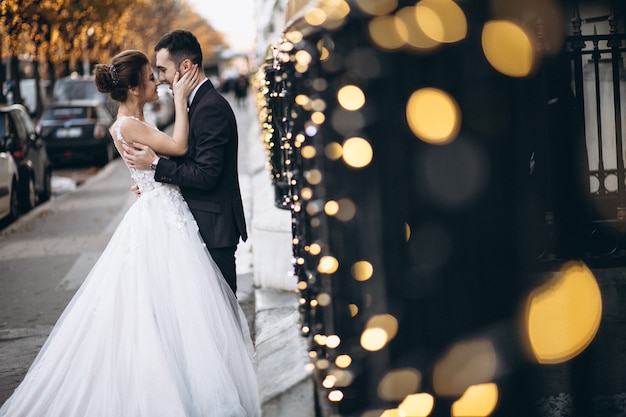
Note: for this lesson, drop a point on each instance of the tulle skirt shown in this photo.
(153, 331)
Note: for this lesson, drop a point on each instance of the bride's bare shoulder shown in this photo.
(133, 129)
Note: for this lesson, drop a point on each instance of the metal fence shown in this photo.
(599, 84)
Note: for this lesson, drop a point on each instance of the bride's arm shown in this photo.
(177, 144)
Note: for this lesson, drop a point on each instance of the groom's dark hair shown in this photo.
(181, 45)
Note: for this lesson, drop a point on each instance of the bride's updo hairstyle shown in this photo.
(124, 72)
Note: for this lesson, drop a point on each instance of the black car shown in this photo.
(20, 138)
(77, 130)
(81, 88)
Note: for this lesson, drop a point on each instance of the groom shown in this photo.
(207, 175)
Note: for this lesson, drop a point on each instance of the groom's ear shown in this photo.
(185, 65)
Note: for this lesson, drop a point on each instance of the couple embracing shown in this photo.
(156, 329)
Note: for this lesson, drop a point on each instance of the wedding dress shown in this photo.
(154, 331)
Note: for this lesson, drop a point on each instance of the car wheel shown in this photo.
(47, 186)
(28, 194)
(15, 203)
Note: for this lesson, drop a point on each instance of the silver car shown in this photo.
(9, 180)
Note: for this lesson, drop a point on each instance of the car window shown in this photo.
(8, 125)
(3, 125)
(26, 122)
(66, 113)
(65, 90)
(18, 126)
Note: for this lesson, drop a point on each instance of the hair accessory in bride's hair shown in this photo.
(114, 75)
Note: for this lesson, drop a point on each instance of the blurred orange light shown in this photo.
(563, 316)
(508, 48)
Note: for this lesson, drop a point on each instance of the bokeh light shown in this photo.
(302, 100)
(308, 152)
(315, 249)
(545, 18)
(336, 11)
(387, 32)
(464, 364)
(508, 48)
(362, 270)
(351, 97)
(324, 299)
(306, 193)
(329, 381)
(347, 210)
(563, 315)
(379, 330)
(331, 208)
(335, 396)
(441, 20)
(318, 117)
(477, 401)
(294, 36)
(354, 309)
(377, 7)
(333, 341)
(313, 176)
(357, 152)
(433, 116)
(342, 378)
(410, 30)
(343, 361)
(386, 322)
(399, 383)
(374, 339)
(333, 151)
(417, 405)
(328, 265)
(314, 207)
(315, 16)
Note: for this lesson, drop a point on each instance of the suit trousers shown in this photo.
(225, 260)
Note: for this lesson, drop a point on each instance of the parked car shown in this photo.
(21, 139)
(161, 112)
(77, 87)
(77, 130)
(9, 180)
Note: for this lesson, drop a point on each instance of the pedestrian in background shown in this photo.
(242, 85)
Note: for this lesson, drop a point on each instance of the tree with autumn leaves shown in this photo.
(63, 36)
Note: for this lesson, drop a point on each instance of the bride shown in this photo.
(155, 329)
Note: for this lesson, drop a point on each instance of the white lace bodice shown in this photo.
(175, 205)
(143, 178)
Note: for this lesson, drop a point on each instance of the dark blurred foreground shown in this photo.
(459, 204)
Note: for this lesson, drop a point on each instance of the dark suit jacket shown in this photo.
(207, 175)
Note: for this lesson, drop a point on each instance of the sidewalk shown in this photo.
(286, 387)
